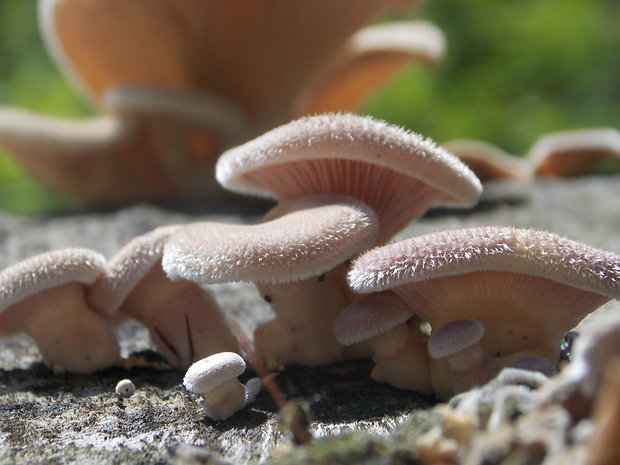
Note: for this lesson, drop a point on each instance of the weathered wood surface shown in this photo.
(47, 418)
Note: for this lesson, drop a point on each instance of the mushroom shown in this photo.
(490, 163)
(184, 321)
(527, 288)
(369, 59)
(181, 56)
(391, 332)
(296, 257)
(156, 144)
(216, 377)
(573, 153)
(44, 296)
(399, 174)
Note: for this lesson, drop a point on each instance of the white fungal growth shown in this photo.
(125, 388)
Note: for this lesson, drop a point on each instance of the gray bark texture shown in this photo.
(63, 418)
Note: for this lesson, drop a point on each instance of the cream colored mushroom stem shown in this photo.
(382, 326)
(183, 320)
(301, 333)
(70, 336)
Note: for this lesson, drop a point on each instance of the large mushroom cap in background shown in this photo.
(257, 55)
(398, 173)
(44, 296)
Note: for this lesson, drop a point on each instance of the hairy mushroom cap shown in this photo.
(455, 337)
(306, 238)
(487, 161)
(184, 320)
(210, 372)
(526, 287)
(573, 153)
(127, 268)
(369, 317)
(369, 59)
(396, 172)
(44, 296)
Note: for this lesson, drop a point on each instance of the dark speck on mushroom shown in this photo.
(267, 298)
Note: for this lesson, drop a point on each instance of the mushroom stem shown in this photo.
(69, 335)
(302, 330)
(224, 400)
(183, 320)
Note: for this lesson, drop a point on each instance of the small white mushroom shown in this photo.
(216, 377)
(125, 388)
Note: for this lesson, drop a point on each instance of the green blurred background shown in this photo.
(514, 70)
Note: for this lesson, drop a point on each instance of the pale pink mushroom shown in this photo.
(488, 161)
(44, 296)
(216, 378)
(184, 321)
(370, 58)
(573, 153)
(397, 173)
(296, 259)
(389, 328)
(527, 288)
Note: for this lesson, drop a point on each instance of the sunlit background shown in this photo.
(514, 71)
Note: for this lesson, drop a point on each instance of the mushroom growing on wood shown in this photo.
(216, 378)
(184, 321)
(389, 328)
(181, 56)
(573, 153)
(44, 296)
(399, 174)
(526, 288)
(296, 257)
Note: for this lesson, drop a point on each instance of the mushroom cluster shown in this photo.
(493, 297)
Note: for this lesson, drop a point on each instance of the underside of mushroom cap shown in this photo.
(127, 268)
(47, 270)
(345, 137)
(298, 240)
(257, 53)
(524, 251)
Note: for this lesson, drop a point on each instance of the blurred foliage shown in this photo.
(514, 71)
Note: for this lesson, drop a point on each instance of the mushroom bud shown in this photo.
(216, 377)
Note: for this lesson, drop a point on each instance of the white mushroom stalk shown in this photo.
(527, 288)
(184, 321)
(296, 257)
(44, 296)
(216, 378)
